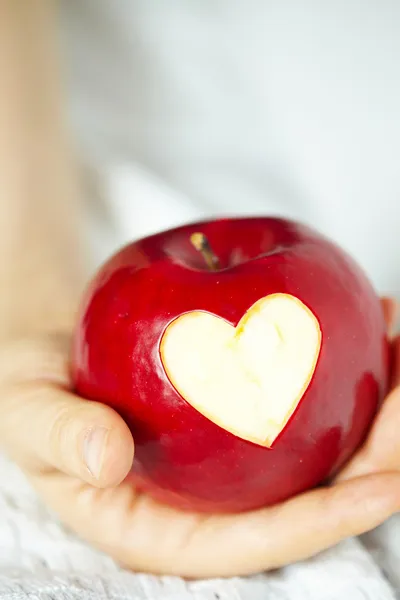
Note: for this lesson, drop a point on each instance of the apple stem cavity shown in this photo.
(202, 245)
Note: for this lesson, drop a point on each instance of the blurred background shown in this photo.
(183, 110)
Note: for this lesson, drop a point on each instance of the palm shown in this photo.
(147, 536)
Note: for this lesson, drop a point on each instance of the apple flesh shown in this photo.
(239, 377)
(245, 379)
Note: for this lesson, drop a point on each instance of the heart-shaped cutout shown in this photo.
(247, 379)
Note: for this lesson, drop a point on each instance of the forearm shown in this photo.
(39, 266)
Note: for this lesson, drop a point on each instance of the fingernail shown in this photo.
(94, 446)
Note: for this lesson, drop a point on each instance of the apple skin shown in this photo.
(181, 457)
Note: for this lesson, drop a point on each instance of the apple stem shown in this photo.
(202, 245)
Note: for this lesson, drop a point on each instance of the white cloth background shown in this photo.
(40, 560)
(241, 106)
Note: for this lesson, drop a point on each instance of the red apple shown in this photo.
(248, 357)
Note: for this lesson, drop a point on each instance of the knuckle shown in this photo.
(39, 423)
(59, 428)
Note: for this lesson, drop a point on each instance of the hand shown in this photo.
(77, 453)
(381, 451)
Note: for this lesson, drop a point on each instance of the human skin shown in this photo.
(76, 454)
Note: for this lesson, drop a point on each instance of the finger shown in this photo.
(381, 450)
(390, 312)
(43, 427)
(296, 530)
(396, 363)
(148, 537)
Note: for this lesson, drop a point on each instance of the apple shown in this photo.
(248, 356)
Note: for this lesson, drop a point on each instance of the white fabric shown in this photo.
(191, 108)
(41, 560)
(247, 106)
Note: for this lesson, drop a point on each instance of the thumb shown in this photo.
(44, 427)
